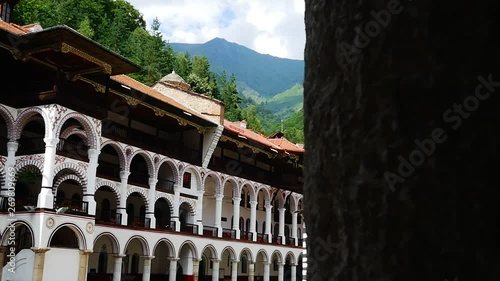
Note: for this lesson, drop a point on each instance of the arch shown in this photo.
(292, 257)
(9, 121)
(211, 249)
(278, 255)
(24, 118)
(218, 185)
(167, 197)
(265, 255)
(236, 189)
(191, 203)
(74, 130)
(293, 202)
(253, 195)
(142, 241)
(111, 185)
(147, 157)
(119, 151)
(143, 194)
(29, 162)
(82, 245)
(248, 254)
(92, 136)
(112, 238)
(78, 170)
(232, 252)
(170, 246)
(265, 189)
(191, 246)
(196, 174)
(2, 175)
(171, 164)
(65, 178)
(16, 224)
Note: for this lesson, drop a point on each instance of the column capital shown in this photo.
(268, 206)
(152, 181)
(237, 199)
(93, 153)
(148, 257)
(51, 141)
(119, 256)
(39, 250)
(219, 197)
(86, 252)
(253, 203)
(215, 260)
(124, 174)
(172, 259)
(12, 146)
(235, 261)
(282, 209)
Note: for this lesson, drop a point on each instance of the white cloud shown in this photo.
(269, 27)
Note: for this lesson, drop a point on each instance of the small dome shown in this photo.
(172, 77)
(176, 80)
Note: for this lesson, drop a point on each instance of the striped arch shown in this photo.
(196, 174)
(248, 253)
(290, 254)
(90, 131)
(236, 189)
(169, 200)
(78, 170)
(2, 175)
(171, 164)
(142, 192)
(112, 238)
(279, 255)
(190, 202)
(74, 130)
(119, 150)
(232, 253)
(38, 163)
(112, 186)
(265, 255)
(82, 244)
(170, 246)
(5, 234)
(219, 189)
(25, 116)
(253, 195)
(147, 157)
(144, 244)
(265, 189)
(9, 121)
(66, 177)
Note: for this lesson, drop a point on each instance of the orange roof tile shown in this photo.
(286, 145)
(13, 28)
(249, 134)
(134, 84)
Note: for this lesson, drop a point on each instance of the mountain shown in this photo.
(287, 102)
(259, 76)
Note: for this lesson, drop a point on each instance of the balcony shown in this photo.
(72, 207)
(189, 228)
(29, 146)
(165, 185)
(210, 231)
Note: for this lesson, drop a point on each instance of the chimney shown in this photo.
(243, 124)
(6, 7)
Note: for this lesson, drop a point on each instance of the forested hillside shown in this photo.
(118, 26)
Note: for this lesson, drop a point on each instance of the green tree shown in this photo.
(230, 96)
(85, 28)
(250, 115)
(182, 64)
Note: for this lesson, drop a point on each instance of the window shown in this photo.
(186, 182)
(242, 201)
(244, 268)
(102, 266)
(248, 225)
(275, 264)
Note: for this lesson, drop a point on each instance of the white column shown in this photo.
(269, 221)
(251, 271)
(123, 196)
(117, 268)
(172, 271)
(253, 216)
(266, 271)
(234, 270)
(215, 269)
(218, 213)
(294, 228)
(46, 197)
(199, 212)
(151, 198)
(9, 166)
(293, 272)
(91, 180)
(282, 225)
(175, 211)
(280, 271)
(236, 216)
(146, 272)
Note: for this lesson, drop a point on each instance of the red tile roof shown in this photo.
(13, 28)
(281, 144)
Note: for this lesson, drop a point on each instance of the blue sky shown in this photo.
(274, 27)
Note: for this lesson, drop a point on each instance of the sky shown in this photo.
(274, 27)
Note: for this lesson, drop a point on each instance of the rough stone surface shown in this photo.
(363, 115)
